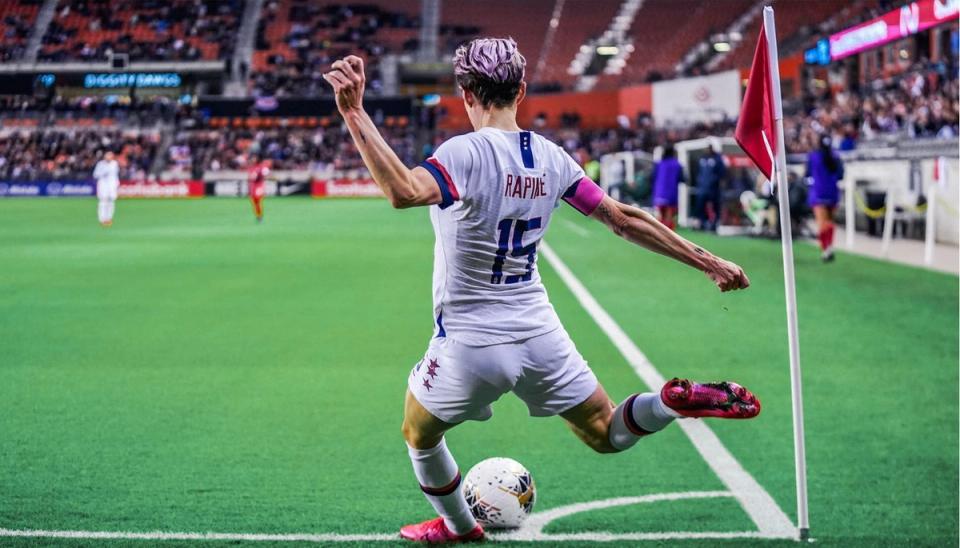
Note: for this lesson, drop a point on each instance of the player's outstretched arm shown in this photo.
(403, 186)
(638, 226)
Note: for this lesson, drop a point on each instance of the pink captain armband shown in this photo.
(584, 195)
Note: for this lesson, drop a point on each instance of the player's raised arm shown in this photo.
(637, 226)
(403, 186)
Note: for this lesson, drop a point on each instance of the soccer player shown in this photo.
(493, 192)
(667, 176)
(825, 170)
(257, 177)
(711, 172)
(107, 174)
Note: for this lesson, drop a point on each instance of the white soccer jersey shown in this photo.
(499, 191)
(107, 172)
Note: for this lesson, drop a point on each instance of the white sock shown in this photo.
(439, 479)
(638, 416)
(111, 205)
(101, 211)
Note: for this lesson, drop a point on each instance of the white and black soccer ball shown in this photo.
(500, 492)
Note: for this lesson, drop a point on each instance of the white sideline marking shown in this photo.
(575, 227)
(531, 531)
(680, 535)
(771, 521)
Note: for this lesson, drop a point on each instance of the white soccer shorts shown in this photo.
(456, 382)
(106, 191)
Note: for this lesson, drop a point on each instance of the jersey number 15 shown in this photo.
(518, 227)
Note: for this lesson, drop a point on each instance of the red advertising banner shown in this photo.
(161, 189)
(899, 23)
(345, 188)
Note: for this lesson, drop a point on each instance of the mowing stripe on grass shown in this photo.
(756, 502)
(575, 227)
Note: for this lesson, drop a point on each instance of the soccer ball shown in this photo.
(500, 492)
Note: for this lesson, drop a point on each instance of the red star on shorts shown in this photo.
(426, 384)
(432, 369)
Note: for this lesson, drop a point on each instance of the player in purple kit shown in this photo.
(825, 170)
(495, 190)
(667, 175)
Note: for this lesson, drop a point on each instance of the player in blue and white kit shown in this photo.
(492, 193)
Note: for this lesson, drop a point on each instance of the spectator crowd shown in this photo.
(315, 149)
(922, 102)
(146, 30)
(317, 35)
(291, 64)
(15, 32)
(71, 154)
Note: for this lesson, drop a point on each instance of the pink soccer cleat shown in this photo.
(435, 531)
(725, 400)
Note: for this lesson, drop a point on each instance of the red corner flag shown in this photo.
(756, 132)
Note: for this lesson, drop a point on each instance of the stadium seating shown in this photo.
(526, 22)
(298, 39)
(150, 30)
(18, 18)
(795, 17)
(71, 153)
(110, 111)
(923, 102)
(288, 143)
(664, 30)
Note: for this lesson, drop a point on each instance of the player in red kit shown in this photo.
(257, 177)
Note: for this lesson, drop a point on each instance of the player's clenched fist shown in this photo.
(348, 81)
(728, 276)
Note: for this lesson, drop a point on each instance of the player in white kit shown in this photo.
(107, 174)
(493, 193)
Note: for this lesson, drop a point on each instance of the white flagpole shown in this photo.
(803, 519)
(930, 236)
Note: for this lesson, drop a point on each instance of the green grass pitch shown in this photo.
(189, 370)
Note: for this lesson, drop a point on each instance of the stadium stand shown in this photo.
(148, 30)
(71, 153)
(798, 18)
(921, 102)
(88, 111)
(658, 46)
(528, 26)
(18, 18)
(320, 148)
(297, 39)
